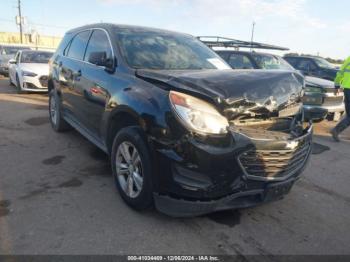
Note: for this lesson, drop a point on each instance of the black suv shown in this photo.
(313, 66)
(183, 130)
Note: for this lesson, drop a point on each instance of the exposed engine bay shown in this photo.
(262, 121)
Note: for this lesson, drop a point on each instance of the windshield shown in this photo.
(159, 51)
(36, 57)
(271, 62)
(321, 62)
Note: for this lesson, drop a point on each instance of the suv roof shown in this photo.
(302, 56)
(245, 52)
(217, 41)
(110, 26)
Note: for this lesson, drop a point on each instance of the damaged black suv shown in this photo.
(184, 131)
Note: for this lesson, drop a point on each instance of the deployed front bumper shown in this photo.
(244, 199)
(214, 179)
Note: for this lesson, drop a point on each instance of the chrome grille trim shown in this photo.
(274, 164)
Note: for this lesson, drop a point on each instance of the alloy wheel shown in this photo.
(129, 169)
(53, 110)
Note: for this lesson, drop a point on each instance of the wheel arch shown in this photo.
(119, 118)
(50, 85)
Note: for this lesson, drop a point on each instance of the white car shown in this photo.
(29, 70)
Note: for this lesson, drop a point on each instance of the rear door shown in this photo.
(95, 80)
(308, 67)
(70, 68)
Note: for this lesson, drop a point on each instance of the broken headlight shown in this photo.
(197, 115)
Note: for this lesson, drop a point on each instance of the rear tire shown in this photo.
(133, 174)
(57, 121)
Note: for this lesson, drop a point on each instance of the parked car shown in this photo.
(183, 130)
(313, 66)
(8, 52)
(321, 99)
(29, 70)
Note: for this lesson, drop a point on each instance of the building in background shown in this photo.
(33, 40)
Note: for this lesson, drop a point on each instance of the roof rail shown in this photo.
(217, 41)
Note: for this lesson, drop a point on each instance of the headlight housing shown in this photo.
(197, 115)
(27, 73)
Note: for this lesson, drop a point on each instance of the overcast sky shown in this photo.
(307, 26)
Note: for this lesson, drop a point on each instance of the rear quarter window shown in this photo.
(240, 61)
(64, 44)
(291, 60)
(78, 45)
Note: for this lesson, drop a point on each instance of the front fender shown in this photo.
(147, 105)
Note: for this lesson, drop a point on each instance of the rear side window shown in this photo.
(78, 45)
(291, 60)
(223, 55)
(240, 61)
(306, 64)
(64, 44)
(99, 44)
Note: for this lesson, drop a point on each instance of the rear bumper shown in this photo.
(321, 112)
(328, 109)
(324, 103)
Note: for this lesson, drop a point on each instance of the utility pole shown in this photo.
(20, 21)
(252, 38)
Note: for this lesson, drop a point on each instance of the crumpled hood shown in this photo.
(263, 87)
(318, 82)
(38, 68)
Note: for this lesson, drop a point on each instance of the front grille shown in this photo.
(332, 100)
(44, 81)
(272, 164)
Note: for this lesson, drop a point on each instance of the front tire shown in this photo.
(132, 168)
(57, 121)
(18, 85)
(10, 81)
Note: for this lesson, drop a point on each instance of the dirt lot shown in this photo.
(57, 197)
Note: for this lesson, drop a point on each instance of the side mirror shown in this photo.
(100, 59)
(12, 61)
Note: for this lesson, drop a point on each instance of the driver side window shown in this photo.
(99, 51)
(307, 65)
